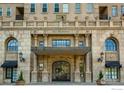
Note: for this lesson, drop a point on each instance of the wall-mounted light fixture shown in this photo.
(100, 59)
(22, 59)
(40, 66)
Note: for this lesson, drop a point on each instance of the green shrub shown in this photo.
(21, 76)
(100, 76)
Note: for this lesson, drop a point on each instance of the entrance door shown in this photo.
(61, 71)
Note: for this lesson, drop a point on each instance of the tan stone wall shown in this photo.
(39, 15)
(25, 47)
(26, 37)
(24, 40)
(81, 16)
(13, 8)
(98, 39)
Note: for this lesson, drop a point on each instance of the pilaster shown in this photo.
(77, 69)
(88, 59)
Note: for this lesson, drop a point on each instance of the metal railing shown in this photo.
(19, 17)
(103, 17)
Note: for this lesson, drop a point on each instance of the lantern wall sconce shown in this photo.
(100, 59)
(40, 66)
(22, 59)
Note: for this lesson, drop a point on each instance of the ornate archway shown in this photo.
(61, 71)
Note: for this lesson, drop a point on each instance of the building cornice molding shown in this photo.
(61, 28)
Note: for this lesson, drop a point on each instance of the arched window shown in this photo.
(112, 70)
(110, 45)
(12, 45)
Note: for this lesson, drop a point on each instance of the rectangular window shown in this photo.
(89, 8)
(61, 43)
(114, 11)
(77, 8)
(56, 7)
(112, 73)
(81, 44)
(122, 10)
(8, 11)
(32, 8)
(8, 73)
(65, 8)
(45, 7)
(41, 44)
(1, 12)
(14, 75)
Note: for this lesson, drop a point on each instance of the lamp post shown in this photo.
(100, 59)
(22, 59)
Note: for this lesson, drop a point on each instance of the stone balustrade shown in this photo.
(97, 23)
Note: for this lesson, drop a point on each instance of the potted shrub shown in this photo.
(100, 80)
(20, 80)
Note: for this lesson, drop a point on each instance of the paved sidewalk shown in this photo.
(62, 83)
(71, 83)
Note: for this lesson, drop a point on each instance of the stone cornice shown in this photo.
(61, 28)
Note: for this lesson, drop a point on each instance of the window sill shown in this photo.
(32, 12)
(44, 13)
(56, 13)
(111, 51)
(8, 16)
(60, 13)
(115, 16)
(89, 12)
(65, 13)
(77, 13)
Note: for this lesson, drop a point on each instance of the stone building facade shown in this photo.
(61, 42)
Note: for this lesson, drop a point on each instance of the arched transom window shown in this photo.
(12, 45)
(110, 45)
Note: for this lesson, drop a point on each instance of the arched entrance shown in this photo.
(61, 71)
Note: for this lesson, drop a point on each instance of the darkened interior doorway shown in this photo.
(61, 71)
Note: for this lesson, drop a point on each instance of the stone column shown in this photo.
(60, 23)
(45, 21)
(77, 69)
(24, 23)
(76, 40)
(88, 61)
(1, 75)
(0, 24)
(35, 41)
(45, 76)
(45, 40)
(34, 72)
(11, 24)
(76, 21)
(111, 23)
(122, 23)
